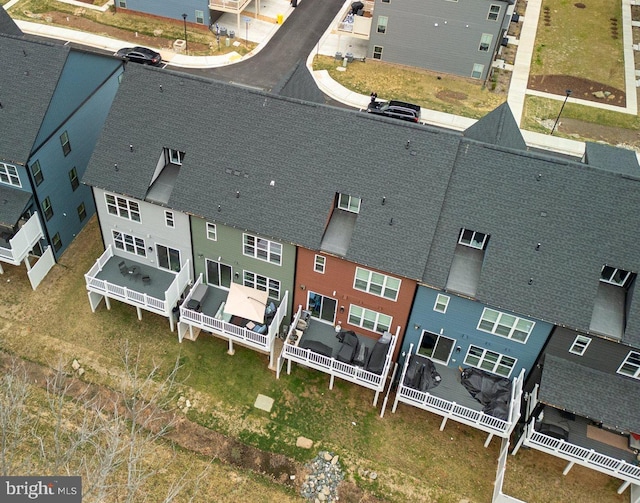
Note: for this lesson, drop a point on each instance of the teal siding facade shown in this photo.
(227, 250)
(456, 330)
(77, 112)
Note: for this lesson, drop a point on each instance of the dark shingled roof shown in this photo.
(616, 160)
(30, 71)
(8, 25)
(582, 217)
(13, 202)
(603, 397)
(435, 182)
(498, 127)
(310, 152)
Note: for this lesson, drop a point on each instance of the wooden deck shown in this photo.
(326, 334)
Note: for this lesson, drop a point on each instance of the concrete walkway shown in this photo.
(331, 42)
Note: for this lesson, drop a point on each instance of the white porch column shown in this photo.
(569, 466)
(231, 351)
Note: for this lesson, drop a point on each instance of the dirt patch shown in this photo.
(450, 96)
(194, 437)
(580, 88)
(87, 25)
(596, 132)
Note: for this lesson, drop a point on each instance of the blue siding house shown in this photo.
(54, 104)
(455, 331)
(197, 11)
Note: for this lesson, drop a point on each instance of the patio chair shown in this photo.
(124, 270)
(146, 279)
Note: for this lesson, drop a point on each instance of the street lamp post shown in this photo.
(568, 93)
(186, 44)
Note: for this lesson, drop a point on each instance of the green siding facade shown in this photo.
(228, 246)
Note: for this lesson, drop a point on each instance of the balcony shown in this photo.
(326, 334)
(15, 247)
(211, 317)
(232, 6)
(357, 26)
(577, 440)
(451, 400)
(159, 294)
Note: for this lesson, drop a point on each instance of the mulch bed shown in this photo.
(580, 88)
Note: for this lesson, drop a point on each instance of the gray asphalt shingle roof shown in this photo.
(617, 160)
(8, 25)
(30, 73)
(434, 183)
(310, 152)
(13, 202)
(498, 127)
(591, 393)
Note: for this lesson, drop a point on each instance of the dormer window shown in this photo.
(349, 203)
(614, 276)
(473, 239)
(612, 301)
(175, 156)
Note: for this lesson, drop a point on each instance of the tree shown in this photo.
(109, 437)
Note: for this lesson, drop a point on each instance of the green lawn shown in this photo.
(415, 461)
(579, 42)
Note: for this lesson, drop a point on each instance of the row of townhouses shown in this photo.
(467, 259)
(460, 37)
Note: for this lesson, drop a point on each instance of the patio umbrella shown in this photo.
(246, 302)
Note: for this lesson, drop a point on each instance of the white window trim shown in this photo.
(497, 14)
(384, 286)
(269, 284)
(208, 261)
(477, 68)
(376, 322)
(615, 270)
(485, 39)
(13, 178)
(383, 21)
(169, 219)
(137, 243)
(497, 364)
(636, 356)
(580, 345)
(472, 242)
(441, 299)
(179, 156)
(319, 264)
(347, 206)
(273, 250)
(212, 232)
(497, 323)
(132, 207)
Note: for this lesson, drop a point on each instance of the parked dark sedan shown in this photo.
(396, 109)
(140, 55)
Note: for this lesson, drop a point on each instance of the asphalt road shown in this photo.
(292, 43)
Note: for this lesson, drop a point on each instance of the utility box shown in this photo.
(179, 46)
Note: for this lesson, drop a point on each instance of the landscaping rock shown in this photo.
(80, 372)
(598, 94)
(321, 484)
(304, 443)
(75, 365)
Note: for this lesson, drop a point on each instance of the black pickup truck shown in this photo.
(396, 109)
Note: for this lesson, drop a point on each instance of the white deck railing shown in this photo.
(241, 335)
(451, 410)
(228, 5)
(23, 241)
(131, 295)
(352, 373)
(577, 454)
